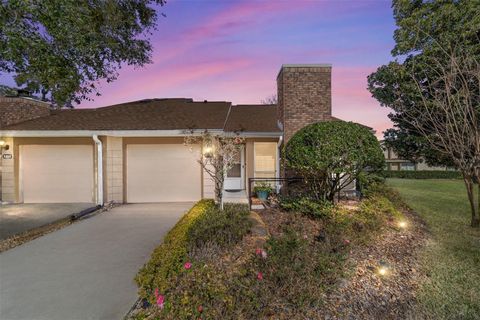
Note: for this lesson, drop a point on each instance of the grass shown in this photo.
(451, 259)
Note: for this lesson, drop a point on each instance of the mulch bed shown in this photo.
(367, 294)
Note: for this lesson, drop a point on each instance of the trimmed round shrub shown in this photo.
(332, 154)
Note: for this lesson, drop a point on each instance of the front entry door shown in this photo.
(236, 175)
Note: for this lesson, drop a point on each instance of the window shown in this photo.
(265, 160)
(408, 166)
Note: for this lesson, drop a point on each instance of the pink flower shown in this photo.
(160, 299)
(262, 253)
(346, 241)
(305, 237)
(187, 265)
(259, 276)
(200, 309)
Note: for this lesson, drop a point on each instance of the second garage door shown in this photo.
(162, 173)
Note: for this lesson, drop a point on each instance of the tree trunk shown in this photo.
(474, 203)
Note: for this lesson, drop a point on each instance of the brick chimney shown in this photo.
(18, 109)
(304, 96)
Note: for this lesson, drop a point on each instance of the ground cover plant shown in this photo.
(451, 258)
(285, 272)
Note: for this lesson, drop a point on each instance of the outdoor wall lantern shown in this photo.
(208, 151)
(4, 145)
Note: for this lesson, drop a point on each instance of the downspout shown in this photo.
(99, 145)
(279, 144)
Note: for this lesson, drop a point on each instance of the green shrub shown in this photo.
(369, 218)
(168, 258)
(223, 228)
(306, 206)
(369, 182)
(327, 153)
(431, 174)
(297, 272)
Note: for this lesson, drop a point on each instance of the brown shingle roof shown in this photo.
(256, 118)
(152, 114)
(161, 114)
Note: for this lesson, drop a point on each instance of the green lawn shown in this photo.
(452, 257)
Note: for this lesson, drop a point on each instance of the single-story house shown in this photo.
(395, 163)
(134, 152)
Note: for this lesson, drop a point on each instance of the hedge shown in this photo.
(422, 174)
(168, 258)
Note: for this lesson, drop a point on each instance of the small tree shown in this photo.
(331, 155)
(271, 99)
(217, 157)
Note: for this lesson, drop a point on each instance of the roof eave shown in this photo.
(128, 133)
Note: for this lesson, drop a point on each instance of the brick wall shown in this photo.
(304, 96)
(19, 109)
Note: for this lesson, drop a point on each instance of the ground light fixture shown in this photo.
(402, 224)
(383, 269)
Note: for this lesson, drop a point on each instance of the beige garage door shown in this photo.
(56, 173)
(162, 173)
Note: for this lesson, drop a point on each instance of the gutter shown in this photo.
(127, 133)
(99, 177)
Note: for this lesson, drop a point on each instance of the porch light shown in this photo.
(4, 145)
(207, 151)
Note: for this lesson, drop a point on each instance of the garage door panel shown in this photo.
(57, 173)
(162, 173)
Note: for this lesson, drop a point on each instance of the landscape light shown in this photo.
(383, 268)
(402, 224)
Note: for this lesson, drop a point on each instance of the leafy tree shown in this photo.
(414, 148)
(61, 49)
(7, 91)
(331, 155)
(434, 85)
(219, 154)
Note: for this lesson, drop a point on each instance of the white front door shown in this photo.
(236, 175)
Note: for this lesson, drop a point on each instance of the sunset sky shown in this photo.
(232, 50)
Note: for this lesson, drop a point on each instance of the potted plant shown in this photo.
(262, 190)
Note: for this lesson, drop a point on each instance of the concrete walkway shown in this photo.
(86, 270)
(17, 218)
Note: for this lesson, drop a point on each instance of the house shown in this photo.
(134, 152)
(394, 163)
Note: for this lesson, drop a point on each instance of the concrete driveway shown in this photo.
(17, 218)
(86, 270)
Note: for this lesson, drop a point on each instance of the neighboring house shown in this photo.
(394, 163)
(134, 152)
